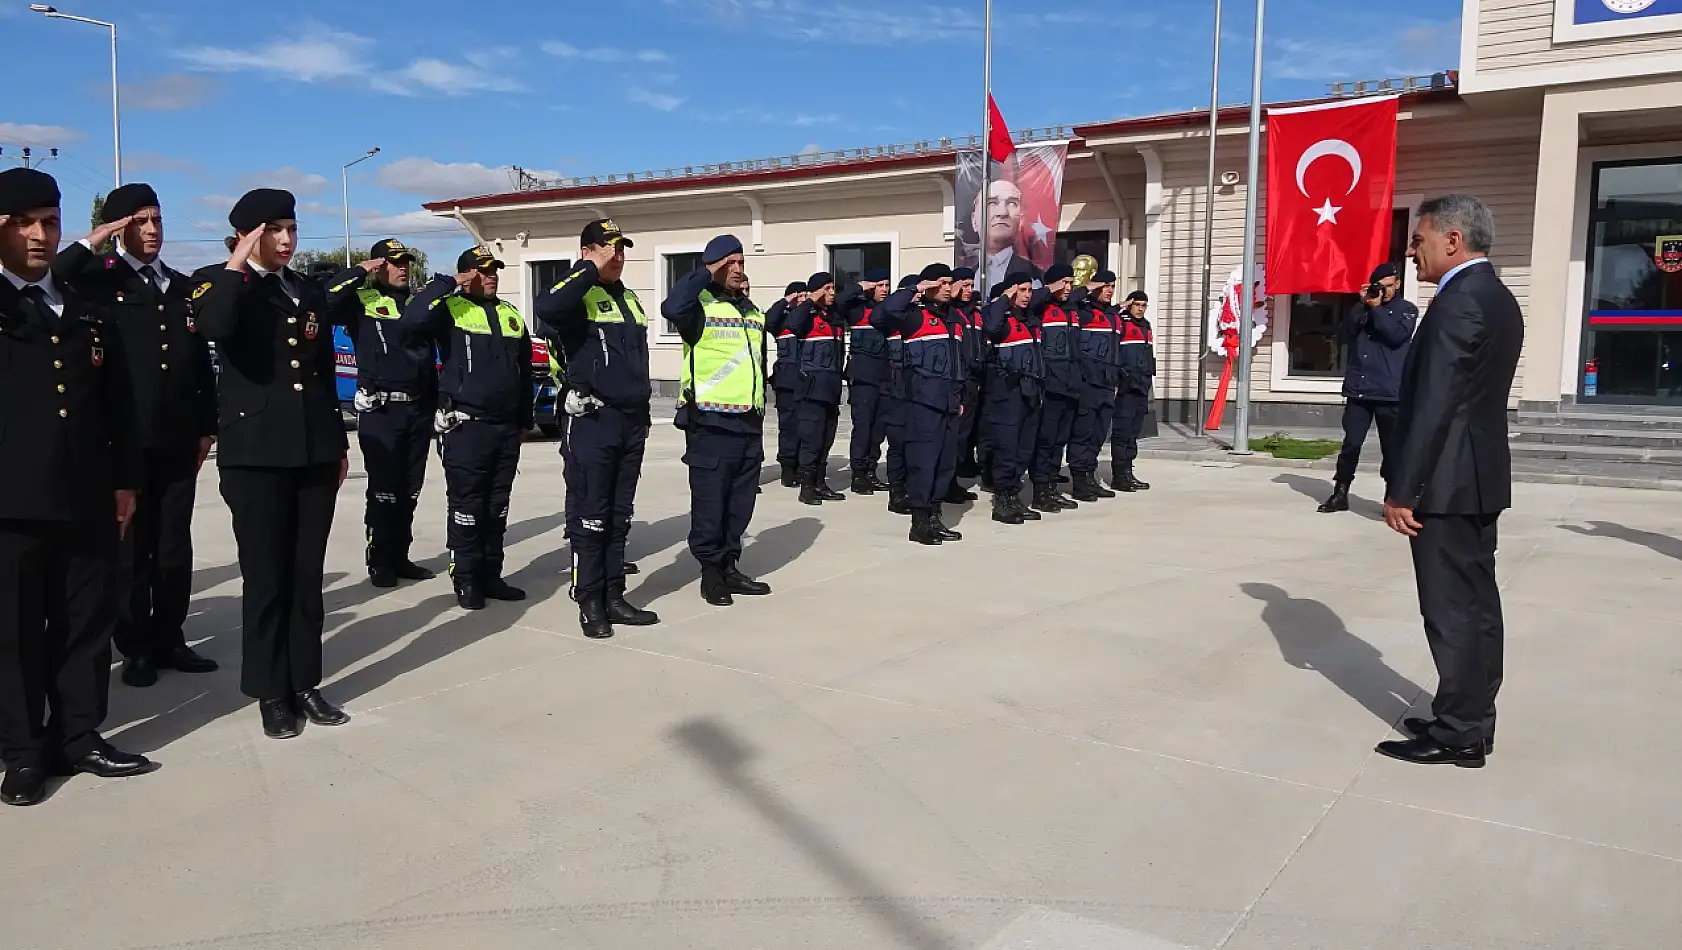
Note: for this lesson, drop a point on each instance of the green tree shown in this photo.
(95, 221)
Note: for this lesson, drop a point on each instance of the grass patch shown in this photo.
(1281, 446)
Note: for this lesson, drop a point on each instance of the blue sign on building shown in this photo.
(1616, 11)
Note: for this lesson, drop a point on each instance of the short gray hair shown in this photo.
(1463, 213)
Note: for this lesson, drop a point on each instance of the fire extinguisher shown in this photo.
(1591, 378)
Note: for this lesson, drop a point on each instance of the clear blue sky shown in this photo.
(221, 97)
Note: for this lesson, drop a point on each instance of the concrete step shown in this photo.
(1597, 453)
(1574, 435)
(1618, 419)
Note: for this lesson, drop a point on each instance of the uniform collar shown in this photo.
(136, 263)
(46, 283)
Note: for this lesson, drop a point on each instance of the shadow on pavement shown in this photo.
(728, 759)
(769, 550)
(1318, 489)
(1660, 543)
(1312, 637)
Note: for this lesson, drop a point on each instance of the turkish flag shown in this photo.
(1331, 183)
(999, 144)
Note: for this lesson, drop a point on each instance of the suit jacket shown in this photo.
(1451, 455)
(67, 432)
(169, 362)
(279, 399)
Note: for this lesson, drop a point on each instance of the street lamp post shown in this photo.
(116, 109)
(344, 187)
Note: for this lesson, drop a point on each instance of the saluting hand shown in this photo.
(103, 233)
(125, 511)
(601, 255)
(464, 280)
(372, 264)
(246, 247)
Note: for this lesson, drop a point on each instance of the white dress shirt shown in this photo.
(53, 298)
(157, 266)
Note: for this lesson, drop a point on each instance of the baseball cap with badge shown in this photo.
(477, 258)
(601, 232)
(391, 249)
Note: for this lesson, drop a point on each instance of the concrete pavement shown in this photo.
(1144, 724)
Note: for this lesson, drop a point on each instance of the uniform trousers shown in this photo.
(893, 433)
(1057, 423)
(480, 459)
(1460, 602)
(817, 421)
(931, 454)
(870, 425)
(1358, 417)
(282, 517)
(1131, 406)
(1092, 427)
(1012, 424)
(723, 484)
(788, 428)
(57, 610)
(156, 556)
(395, 439)
(969, 422)
(603, 453)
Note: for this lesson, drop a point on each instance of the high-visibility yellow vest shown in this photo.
(377, 304)
(469, 317)
(600, 305)
(723, 371)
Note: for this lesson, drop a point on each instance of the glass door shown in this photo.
(1632, 333)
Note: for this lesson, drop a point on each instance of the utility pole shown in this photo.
(27, 157)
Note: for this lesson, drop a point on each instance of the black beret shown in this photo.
(1104, 277)
(126, 200)
(819, 281)
(935, 271)
(721, 247)
(795, 288)
(875, 275)
(1384, 270)
(1057, 272)
(25, 189)
(1138, 295)
(963, 273)
(996, 290)
(260, 206)
(909, 280)
(1016, 279)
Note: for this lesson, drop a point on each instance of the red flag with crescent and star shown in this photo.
(1331, 183)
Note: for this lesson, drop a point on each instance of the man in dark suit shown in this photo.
(143, 301)
(70, 467)
(1451, 476)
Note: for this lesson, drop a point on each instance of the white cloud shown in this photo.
(449, 78)
(288, 177)
(191, 255)
(432, 179)
(219, 202)
(152, 163)
(169, 92)
(403, 222)
(654, 100)
(320, 54)
(320, 207)
(603, 54)
(40, 136)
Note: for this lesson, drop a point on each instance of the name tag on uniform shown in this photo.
(311, 327)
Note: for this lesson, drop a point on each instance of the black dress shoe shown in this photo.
(140, 672)
(1428, 751)
(1420, 727)
(315, 706)
(381, 576)
(593, 619)
(498, 589)
(620, 610)
(280, 720)
(111, 763)
(632, 569)
(738, 583)
(24, 786)
(715, 589)
(185, 659)
(410, 571)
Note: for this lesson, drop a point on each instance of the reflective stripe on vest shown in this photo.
(602, 308)
(1018, 334)
(933, 328)
(469, 317)
(1134, 333)
(721, 370)
(377, 304)
(822, 330)
(1055, 316)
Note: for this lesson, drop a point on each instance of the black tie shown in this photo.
(151, 276)
(37, 295)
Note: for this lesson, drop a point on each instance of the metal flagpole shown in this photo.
(1201, 318)
(1252, 191)
(986, 146)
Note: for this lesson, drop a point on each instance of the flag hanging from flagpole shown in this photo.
(1331, 182)
(1000, 146)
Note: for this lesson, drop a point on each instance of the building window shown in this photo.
(546, 274)
(1315, 346)
(1072, 244)
(847, 262)
(677, 265)
(1632, 348)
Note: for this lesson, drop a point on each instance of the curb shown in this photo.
(1224, 458)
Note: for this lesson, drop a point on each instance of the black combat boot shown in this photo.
(1086, 486)
(738, 583)
(1069, 504)
(824, 491)
(1003, 511)
(593, 618)
(878, 483)
(469, 593)
(382, 575)
(957, 494)
(619, 610)
(940, 530)
(922, 528)
(1135, 482)
(1339, 500)
(863, 484)
(1121, 479)
(809, 494)
(791, 475)
(715, 589)
(1098, 488)
(1045, 499)
(896, 500)
(1027, 513)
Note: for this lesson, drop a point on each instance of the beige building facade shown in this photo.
(1567, 123)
